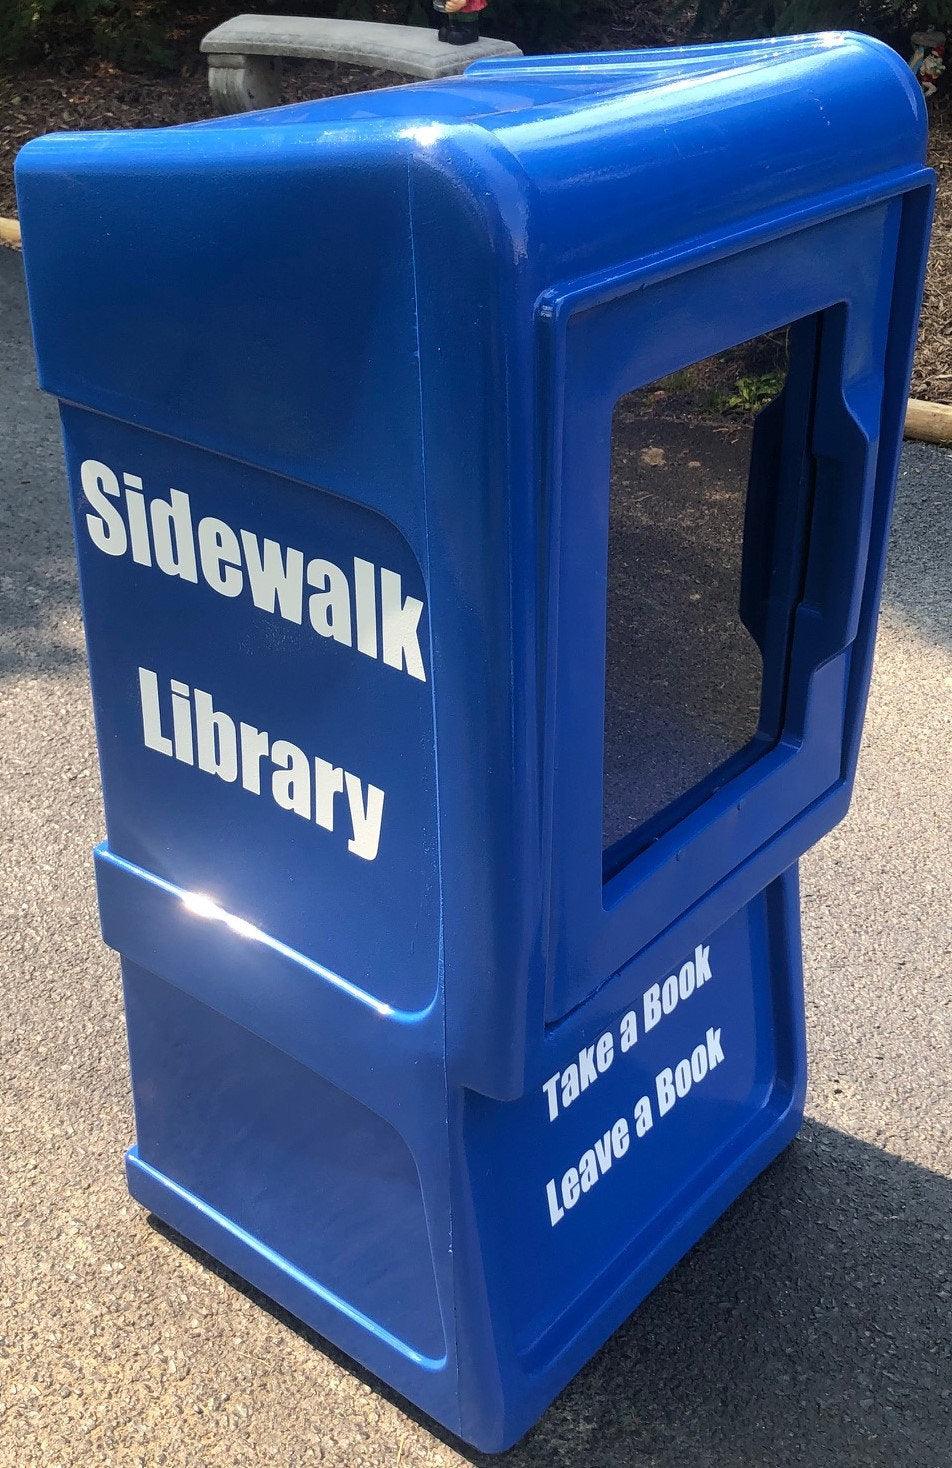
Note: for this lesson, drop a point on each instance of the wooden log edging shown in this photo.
(929, 422)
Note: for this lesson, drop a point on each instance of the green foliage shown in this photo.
(129, 32)
(134, 33)
(533, 23)
(401, 12)
(894, 20)
(750, 394)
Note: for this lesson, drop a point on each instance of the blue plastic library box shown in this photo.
(455, 769)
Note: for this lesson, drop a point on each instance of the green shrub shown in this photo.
(134, 33)
(894, 20)
(131, 33)
(533, 23)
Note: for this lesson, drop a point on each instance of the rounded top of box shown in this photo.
(573, 100)
(728, 129)
(320, 232)
(616, 153)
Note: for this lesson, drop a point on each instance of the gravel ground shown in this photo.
(812, 1326)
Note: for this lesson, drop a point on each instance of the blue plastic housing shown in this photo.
(337, 383)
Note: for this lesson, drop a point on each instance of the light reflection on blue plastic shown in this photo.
(426, 134)
(201, 905)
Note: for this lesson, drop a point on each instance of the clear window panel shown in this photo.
(683, 674)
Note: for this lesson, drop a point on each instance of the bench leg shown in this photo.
(244, 83)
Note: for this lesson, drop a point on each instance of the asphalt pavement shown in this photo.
(812, 1326)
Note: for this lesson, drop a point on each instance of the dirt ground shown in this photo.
(95, 94)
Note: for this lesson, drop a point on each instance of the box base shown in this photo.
(425, 1383)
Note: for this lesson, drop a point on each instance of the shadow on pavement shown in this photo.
(812, 1325)
(39, 602)
(919, 579)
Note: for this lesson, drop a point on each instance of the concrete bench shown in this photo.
(244, 54)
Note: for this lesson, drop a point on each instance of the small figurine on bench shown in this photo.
(460, 20)
(928, 59)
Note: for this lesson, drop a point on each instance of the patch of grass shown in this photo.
(749, 394)
(685, 380)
